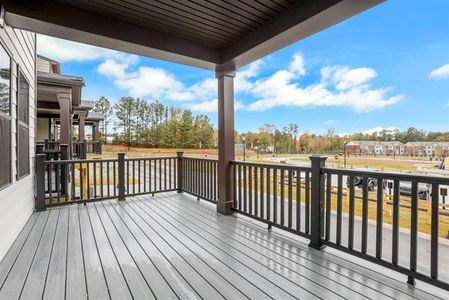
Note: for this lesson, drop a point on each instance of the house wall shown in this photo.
(42, 65)
(42, 129)
(17, 199)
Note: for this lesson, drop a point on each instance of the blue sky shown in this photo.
(387, 67)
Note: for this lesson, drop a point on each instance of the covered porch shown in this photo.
(172, 246)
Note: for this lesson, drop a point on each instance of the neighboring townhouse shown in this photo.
(375, 148)
(427, 149)
(60, 110)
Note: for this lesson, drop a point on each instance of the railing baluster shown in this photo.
(88, 180)
(282, 209)
(95, 179)
(268, 194)
(101, 179)
(364, 214)
(307, 206)
(134, 176)
(351, 213)
(413, 231)
(160, 175)
(109, 179)
(250, 190)
(395, 242)
(379, 223)
(434, 231)
(139, 162)
(256, 192)
(339, 207)
(165, 174)
(262, 193)
(81, 182)
(72, 180)
(114, 166)
(290, 199)
(57, 183)
(298, 200)
(275, 198)
(328, 206)
(245, 182)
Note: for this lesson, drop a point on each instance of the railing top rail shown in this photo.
(271, 166)
(200, 158)
(389, 175)
(149, 158)
(80, 161)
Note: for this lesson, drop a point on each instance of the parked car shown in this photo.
(405, 187)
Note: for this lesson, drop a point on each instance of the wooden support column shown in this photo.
(225, 77)
(82, 125)
(95, 132)
(65, 118)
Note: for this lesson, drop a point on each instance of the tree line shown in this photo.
(287, 140)
(139, 122)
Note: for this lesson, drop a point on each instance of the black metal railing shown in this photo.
(200, 177)
(372, 215)
(61, 182)
(81, 149)
(278, 195)
(408, 200)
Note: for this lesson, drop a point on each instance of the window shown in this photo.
(5, 118)
(23, 130)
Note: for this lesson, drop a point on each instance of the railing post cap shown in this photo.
(180, 152)
(121, 154)
(318, 157)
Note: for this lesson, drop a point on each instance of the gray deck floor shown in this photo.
(171, 246)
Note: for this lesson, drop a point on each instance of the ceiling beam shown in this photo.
(305, 19)
(67, 22)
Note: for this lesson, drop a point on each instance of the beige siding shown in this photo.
(16, 200)
(42, 129)
(42, 65)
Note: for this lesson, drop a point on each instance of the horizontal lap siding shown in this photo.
(16, 200)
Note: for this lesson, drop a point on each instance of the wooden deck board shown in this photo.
(173, 247)
(76, 289)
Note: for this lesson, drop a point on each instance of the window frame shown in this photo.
(8, 116)
(20, 123)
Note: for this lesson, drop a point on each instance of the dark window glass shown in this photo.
(5, 81)
(5, 119)
(23, 100)
(23, 131)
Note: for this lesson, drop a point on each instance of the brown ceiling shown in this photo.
(214, 23)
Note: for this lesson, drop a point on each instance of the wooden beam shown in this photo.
(226, 153)
(67, 22)
(305, 19)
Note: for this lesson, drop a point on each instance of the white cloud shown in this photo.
(329, 122)
(212, 106)
(339, 86)
(379, 129)
(64, 50)
(440, 73)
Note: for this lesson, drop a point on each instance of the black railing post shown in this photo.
(64, 173)
(180, 154)
(100, 145)
(40, 182)
(121, 176)
(317, 202)
(83, 154)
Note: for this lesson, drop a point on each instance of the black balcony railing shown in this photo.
(81, 149)
(340, 208)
